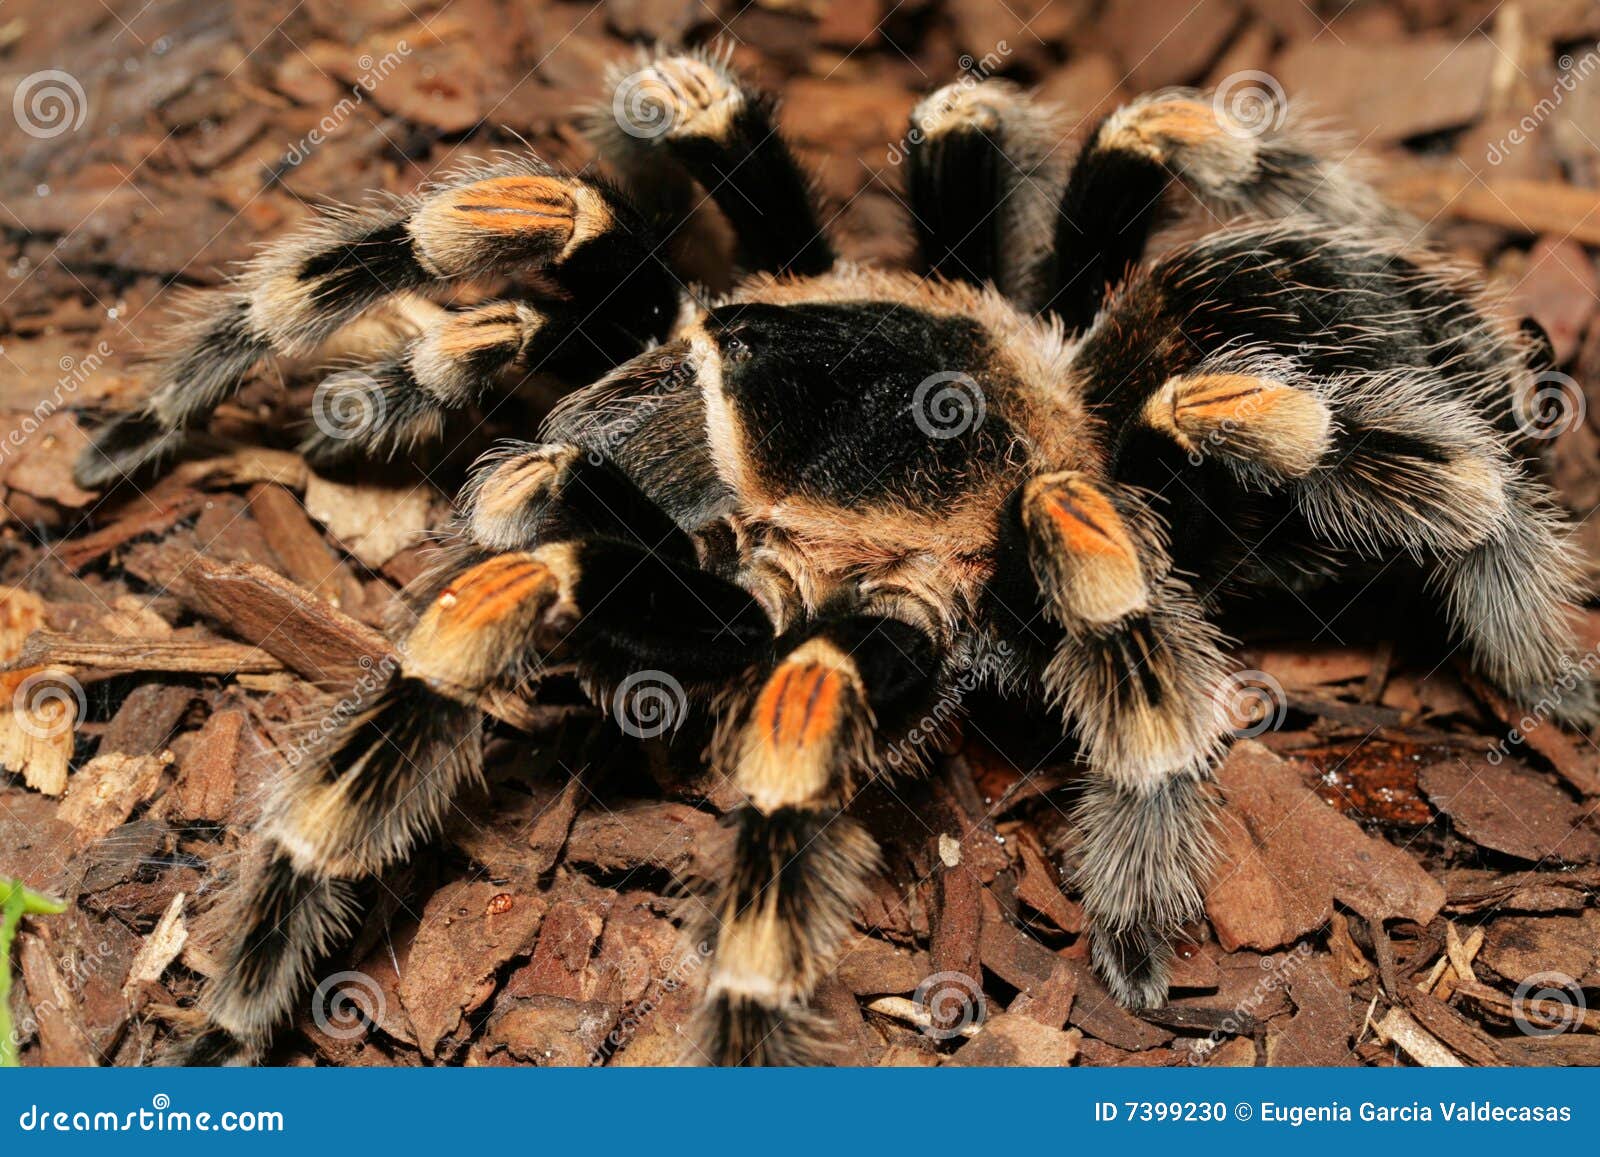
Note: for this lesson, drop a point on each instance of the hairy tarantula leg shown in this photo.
(800, 864)
(522, 494)
(615, 607)
(400, 401)
(1136, 674)
(362, 800)
(1137, 670)
(1116, 194)
(1148, 851)
(1511, 598)
(985, 174)
(376, 789)
(725, 135)
(515, 216)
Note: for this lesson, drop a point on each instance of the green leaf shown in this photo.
(16, 901)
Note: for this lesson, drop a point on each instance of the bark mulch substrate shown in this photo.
(1402, 883)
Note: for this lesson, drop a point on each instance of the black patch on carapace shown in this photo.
(854, 403)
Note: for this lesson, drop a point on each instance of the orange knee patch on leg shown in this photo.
(1271, 423)
(800, 707)
(514, 204)
(1164, 127)
(790, 748)
(1080, 541)
(491, 612)
(462, 231)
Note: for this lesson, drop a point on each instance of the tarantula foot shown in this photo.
(215, 1047)
(742, 1033)
(122, 447)
(680, 98)
(1134, 964)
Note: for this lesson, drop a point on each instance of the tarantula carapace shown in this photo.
(817, 501)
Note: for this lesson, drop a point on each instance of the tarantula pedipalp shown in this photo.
(819, 501)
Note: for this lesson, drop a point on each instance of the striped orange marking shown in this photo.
(490, 592)
(1182, 122)
(1086, 520)
(801, 706)
(1217, 398)
(516, 204)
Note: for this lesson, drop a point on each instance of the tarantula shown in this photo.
(816, 501)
